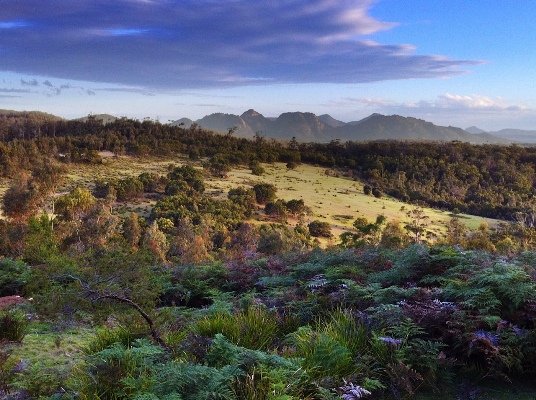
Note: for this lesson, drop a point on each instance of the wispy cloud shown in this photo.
(119, 32)
(11, 90)
(13, 24)
(207, 43)
(443, 102)
(30, 82)
(475, 102)
(142, 91)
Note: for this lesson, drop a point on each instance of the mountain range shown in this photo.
(513, 135)
(308, 127)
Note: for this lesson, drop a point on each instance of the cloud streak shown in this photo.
(447, 102)
(205, 43)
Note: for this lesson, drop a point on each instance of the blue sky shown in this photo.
(453, 62)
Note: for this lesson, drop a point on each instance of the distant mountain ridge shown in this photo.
(513, 135)
(104, 118)
(308, 127)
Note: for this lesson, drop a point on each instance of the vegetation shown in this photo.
(227, 294)
(488, 180)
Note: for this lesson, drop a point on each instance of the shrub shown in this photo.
(257, 169)
(13, 277)
(323, 356)
(13, 326)
(377, 193)
(129, 188)
(320, 229)
(275, 239)
(264, 192)
(151, 182)
(276, 209)
(254, 328)
(296, 206)
(244, 197)
(292, 165)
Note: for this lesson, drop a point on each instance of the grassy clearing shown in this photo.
(337, 200)
(46, 358)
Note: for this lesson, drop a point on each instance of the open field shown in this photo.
(337, 200)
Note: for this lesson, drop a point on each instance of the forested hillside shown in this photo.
(487, 180)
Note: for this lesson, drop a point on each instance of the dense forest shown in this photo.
(487, 180)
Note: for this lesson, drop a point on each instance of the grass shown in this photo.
(45, 347)
(336, 200)
(46, 359)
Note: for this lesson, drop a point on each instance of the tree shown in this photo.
(40, 243)
(292, 165)
(256, 168)
(276, 209)
(264, 192)
(76, 203)
(320, 229)
(244, 197)
(219, 166)
(377, 193)
(481, 239)
(156, 242)
(418, 222)
(188, 246)
(49, 176)
(394, 236)
(366, 233)
(456, 232)
(132, 230)
(188, 174)
(296, 207)
(243, 243)
(21, 199)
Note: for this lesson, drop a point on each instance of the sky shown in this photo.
(452, 62)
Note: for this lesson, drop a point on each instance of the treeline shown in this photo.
(488, 180)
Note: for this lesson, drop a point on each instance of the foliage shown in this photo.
(320, 229)
(13, 325)
(254, 328)
(264, 192)
(14, 275)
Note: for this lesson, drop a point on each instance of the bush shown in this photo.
(13, 277)
(320, 229)
(276, 239)
(377, 193)
(264, 192)
(254, 328)
(13, 326)
(276, 209)
(296, 207)
(257, 169)
(129, 188)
